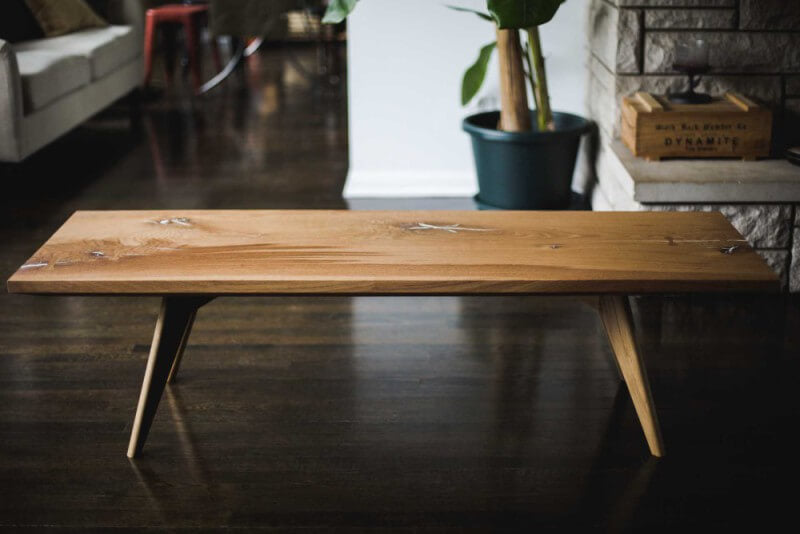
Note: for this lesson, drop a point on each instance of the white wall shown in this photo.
(406, 61)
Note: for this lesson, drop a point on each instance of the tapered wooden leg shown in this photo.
(173, 372)
(618, 320)
(171, 329)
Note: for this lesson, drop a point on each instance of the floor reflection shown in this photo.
(194, 461)
(611, 497)
(431, 414)
(165, 484)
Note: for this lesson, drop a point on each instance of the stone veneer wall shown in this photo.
(754, 49)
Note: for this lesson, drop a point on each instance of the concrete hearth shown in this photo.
(761, 199)
(691, 181)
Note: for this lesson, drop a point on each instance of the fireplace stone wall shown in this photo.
(754, 50)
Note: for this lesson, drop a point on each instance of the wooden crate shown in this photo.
(730, 127)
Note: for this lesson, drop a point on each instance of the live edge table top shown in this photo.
(391, 252)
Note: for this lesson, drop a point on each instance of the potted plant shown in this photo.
(525, 159)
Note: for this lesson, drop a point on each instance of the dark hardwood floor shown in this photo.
(417, 414)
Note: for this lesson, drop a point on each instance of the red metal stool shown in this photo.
(191, 17)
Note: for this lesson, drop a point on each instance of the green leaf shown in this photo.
(338, 11)
(476, 74)
(484, 16)
(519, 14)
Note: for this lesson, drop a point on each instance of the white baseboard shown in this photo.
(410, 184)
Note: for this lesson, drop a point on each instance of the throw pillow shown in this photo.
(17, 23)
(59, 17)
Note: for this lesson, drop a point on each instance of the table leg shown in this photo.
(173, 372)
(616, 314)
(172, 331)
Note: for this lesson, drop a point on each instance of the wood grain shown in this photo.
(617, 318)
(650, 104)
(172, 326)
(732, 126)
(385, 252)
(307, 414)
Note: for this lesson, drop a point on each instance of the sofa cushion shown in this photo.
(48, 75)
(107, 49)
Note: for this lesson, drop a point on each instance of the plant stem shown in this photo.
(529, 73)
(543, 111)
(515, 116)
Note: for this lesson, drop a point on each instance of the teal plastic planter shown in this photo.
(525, 170)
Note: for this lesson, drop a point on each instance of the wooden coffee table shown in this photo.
(191, 257)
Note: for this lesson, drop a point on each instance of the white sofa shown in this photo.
(50, 86)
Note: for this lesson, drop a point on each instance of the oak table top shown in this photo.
(190, 257)
(268, 252)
